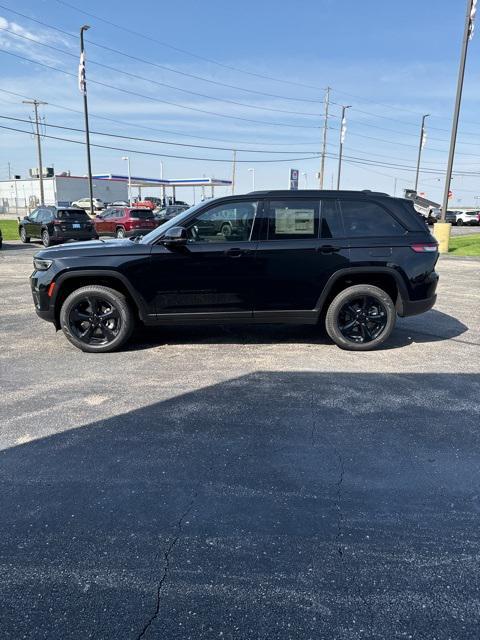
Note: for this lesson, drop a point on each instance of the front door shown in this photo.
(215, 272)
(297, 254)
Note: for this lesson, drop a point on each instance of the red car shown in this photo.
(122, 222)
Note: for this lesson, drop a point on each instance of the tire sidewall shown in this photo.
(113, 296)
(48, 241)
(23, 235)
(120, 233)
(331, 319)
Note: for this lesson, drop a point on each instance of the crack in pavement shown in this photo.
(166, 567)
(339, 501)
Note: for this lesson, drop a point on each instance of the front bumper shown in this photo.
(39, 284)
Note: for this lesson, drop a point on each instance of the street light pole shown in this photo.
(252, 171)
(343, 131)
(82, 83)
(421, 144)
(127, 159)
(324, 145)
(467, 35)
(36, 104)
(234, 169)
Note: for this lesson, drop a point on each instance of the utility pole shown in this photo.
(421, 144)
(234, 168)
(394, 187)
(324, 145)
(36, 104)
(82, 85)
(9, 171)
(343, 131)
(467, 35)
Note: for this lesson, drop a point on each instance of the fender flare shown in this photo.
(99, 273)
(341, 273)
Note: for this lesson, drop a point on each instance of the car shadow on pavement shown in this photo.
(274, 505)
(432, 326)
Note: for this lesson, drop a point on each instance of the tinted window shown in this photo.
(293, 219)
(72, 214)
(141, 213)
(362, 218)
(226, 222)
(332, 226)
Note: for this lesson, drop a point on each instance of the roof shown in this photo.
(139, 181)
(314, 193)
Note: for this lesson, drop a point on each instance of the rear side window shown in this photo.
(72, 214)
(293, 219)
(141, 213)
(364, 219)
(331, 226)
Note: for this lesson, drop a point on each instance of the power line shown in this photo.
(156, 82)
(143, 36)
(147, 97)
(160, 66)
(162, 155)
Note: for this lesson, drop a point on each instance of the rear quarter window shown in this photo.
(367, 219)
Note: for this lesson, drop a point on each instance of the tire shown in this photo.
(365, 312)
(105, 301)
(460, 223)
(46, 238)
(226, 231)
(23, 235)
(120, 233)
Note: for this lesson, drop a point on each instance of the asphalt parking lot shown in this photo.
(244, 483)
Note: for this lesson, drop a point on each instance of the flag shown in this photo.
(471, 26)
(82, 87)
(344, 130)
(424, 138)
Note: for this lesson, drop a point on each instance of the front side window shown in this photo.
(293, 219)
(363, 219)
(231, 222)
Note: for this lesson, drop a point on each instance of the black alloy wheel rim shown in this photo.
(94, 320)
(362, 319)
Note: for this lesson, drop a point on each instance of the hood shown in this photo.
(109, 247)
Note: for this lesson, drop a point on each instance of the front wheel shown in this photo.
(96, 319)
(360, 318)
(23, 235)
(459, 222)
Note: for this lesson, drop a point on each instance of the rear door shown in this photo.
(294, 260)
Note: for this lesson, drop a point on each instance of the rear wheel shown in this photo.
(360, 318)
(46, 238)
(96, 319)
(23, 235)
(120, 232)
(459, 222)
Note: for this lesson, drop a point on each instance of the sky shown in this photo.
(249, 76)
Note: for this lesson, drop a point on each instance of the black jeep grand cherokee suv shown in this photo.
(350, 259)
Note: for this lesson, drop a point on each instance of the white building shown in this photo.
(59, 190)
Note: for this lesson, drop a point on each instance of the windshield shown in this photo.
(176, 221)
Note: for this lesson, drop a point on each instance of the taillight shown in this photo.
(428, 247)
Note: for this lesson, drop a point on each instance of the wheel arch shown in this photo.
(68, 282)
(384, 277)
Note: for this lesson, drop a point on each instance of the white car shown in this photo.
(84, 203)
(468, 217)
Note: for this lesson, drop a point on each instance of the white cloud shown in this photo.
(18, 39)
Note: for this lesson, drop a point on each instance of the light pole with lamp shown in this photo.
(343, 131)
(82, 85)
(127, 160)
(421, 144)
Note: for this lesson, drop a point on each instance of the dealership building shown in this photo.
(61, 190)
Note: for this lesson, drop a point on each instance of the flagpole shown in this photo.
(82, 80)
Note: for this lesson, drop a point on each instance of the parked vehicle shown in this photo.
(84, 203)
(350, 260)
(123, 222)
(468, 217)
(54, 226)
(1, 239)
(435, 215)
(166, 213)
(148, 203)
(119, 203)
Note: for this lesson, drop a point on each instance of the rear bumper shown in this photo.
(415, 307)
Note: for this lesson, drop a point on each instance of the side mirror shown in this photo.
(175, 237)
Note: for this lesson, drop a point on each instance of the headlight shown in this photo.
(42, 265)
